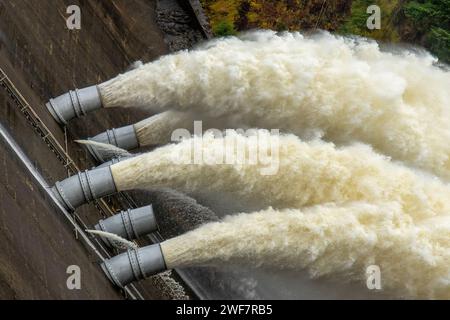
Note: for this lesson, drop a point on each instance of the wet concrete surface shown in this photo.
(38, 244)
(43, 59)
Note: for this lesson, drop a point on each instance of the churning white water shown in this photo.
(329, 240)
(339, 210)
(158, 129)
(172, 125)
(107, 151)
(344, 89)
(306, 173)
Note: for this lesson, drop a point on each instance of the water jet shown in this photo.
(334, 240)
(395, 101)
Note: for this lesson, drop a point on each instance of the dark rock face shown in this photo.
(178, 25)
(195, 6)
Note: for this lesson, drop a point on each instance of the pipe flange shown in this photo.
(139, 260)
(75, 103)
(84, 185)
(112, 137)
(93, 195)
(132, 224)
(134, 263)
(126, 224)
(80, 103)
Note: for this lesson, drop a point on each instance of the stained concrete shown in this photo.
(44, 59)
(38, 244)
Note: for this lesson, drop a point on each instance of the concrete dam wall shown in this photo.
(40, 57)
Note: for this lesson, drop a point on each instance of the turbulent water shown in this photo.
(170, 126)
(329, 240)
(307, 174)
(331, 208)
(345, 208)
(339, 210)
(177, 213)
(158, 129)
(107, 151)
(340, 88)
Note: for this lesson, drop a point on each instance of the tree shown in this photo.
(431, 18)
(224, 28)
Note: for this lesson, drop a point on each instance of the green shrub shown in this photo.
(439, 42)
(224, 28)
(432, 19)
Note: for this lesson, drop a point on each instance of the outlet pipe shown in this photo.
(79, 102)
(124, 138)
(134, 265)
(129, 224)
(84, 187)
(74, 104)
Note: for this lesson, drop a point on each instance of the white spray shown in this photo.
(307, 173)
(340, 210)
(172, 126)
(344, 89)
(107, 150)
(117, 241)
(329, 240)
(158, 129)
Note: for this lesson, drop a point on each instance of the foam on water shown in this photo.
(344, 89)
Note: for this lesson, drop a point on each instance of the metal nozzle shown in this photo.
(73, 104)
(130, 224)
(124, 138)
(134, 265)
(84, 187)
